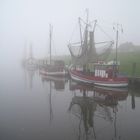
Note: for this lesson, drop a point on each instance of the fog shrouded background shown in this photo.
(25, 96)
(27, 22)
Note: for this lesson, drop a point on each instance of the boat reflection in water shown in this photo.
(96, 110)
(29, 74)
(58, 81)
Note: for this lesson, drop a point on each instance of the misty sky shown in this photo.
(27, 22)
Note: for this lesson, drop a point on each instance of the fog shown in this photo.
(34, 107)
(27, 22)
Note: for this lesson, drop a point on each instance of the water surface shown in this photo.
(40, 108)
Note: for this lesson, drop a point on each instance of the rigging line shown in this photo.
(82, 21)
(82, 27)
(92, 22)
(86, 24)
(73, 32)
(107, 23)
(104, 31)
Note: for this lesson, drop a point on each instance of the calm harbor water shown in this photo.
(39, 108)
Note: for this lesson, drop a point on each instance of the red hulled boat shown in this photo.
(90, 57)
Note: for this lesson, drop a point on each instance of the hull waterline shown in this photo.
(107, 82)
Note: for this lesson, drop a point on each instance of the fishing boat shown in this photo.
(55, 67)
(89, 62)
(30, 63)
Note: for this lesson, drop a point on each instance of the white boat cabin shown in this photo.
(106, 70)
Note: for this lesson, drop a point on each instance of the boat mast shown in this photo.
(94, 32)
(51, 43)
(117, 28)
(87, 27)
(117, 43)
(25, 51)
(86, 37)
(86, 30)
(87, 16)
(81, 39)
(31, 53)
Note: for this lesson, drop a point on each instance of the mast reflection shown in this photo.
(54, 82)
(91, 103)
(50, 102)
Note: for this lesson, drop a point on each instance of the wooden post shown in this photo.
(133, 100)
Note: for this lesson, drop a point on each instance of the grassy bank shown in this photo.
(130, 62)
